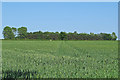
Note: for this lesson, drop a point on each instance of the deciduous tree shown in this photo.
(22, 32)
(8, 33)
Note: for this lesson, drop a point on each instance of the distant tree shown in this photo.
(92, 36)
(14, 30)
(114, 37)
(70, 36)
(91, 33)
(63, 35)
(84, 36)
(106, 36)
(37, 35)
(22, 32)
(57, 32)
(8, 33)
(29, 35)
(40, 32)
(75, 32)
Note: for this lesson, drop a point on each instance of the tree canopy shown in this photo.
(21, 33)
(8, 33)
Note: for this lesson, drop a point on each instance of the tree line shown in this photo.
(21, 33)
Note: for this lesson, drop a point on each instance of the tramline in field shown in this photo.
(59, 59)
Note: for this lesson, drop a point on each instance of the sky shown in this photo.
(83, 17)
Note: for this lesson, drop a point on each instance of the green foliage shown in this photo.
(22, 32)
(106, 36)
(14, 30)
(8, 33)
(114, 37)
(59, 59)
(63, 36)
